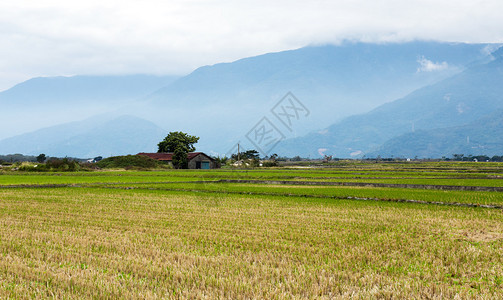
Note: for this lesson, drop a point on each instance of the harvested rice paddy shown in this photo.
(263, 233)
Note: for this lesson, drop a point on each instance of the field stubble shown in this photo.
(138, 243)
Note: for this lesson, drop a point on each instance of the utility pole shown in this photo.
(239, 157)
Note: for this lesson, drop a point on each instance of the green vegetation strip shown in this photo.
(245, 188)
(455, 184)
(320, 196)
(396, 176)
(374, 184)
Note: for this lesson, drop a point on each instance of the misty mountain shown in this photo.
(456, 101)
(97, 136)
(46, 101)
(481, 137)
(222, 103)
(225, 100)
(48, 91)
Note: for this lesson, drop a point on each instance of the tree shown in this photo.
(458, 157)
(274, 157)
(221, 160)
(180, 144)
(250, 154)
(41, 158)
(180, 160)
(296, 158)
(178, 139)
(497, 158)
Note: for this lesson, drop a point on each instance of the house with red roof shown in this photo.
(196, 160)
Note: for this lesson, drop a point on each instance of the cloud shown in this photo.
(57, 37)
(429, 66)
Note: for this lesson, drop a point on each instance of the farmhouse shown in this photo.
(197, 160)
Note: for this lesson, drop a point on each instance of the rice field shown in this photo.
(187, 234)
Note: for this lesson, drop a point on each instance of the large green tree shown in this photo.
(180, 159)
(178, 139)
(179, 143)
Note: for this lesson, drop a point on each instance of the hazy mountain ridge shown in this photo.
(92, 137)
(220, 103)
(331, 81)
(47, 101)
(456, 101)
(44, 91)
(482, 137)
(374, 72)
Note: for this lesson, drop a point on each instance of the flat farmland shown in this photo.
(263, 233)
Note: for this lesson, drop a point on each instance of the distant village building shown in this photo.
(196, 160)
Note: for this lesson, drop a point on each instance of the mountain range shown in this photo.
(456, 101)
(482, 136)
(348, 89)
(96, 136)
(45, 101)
(333, 81)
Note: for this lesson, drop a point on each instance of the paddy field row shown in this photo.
(130, 234)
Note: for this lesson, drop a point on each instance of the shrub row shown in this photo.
(56, 165)
(128, 162)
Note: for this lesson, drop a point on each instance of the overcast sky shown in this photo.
(67, 37)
